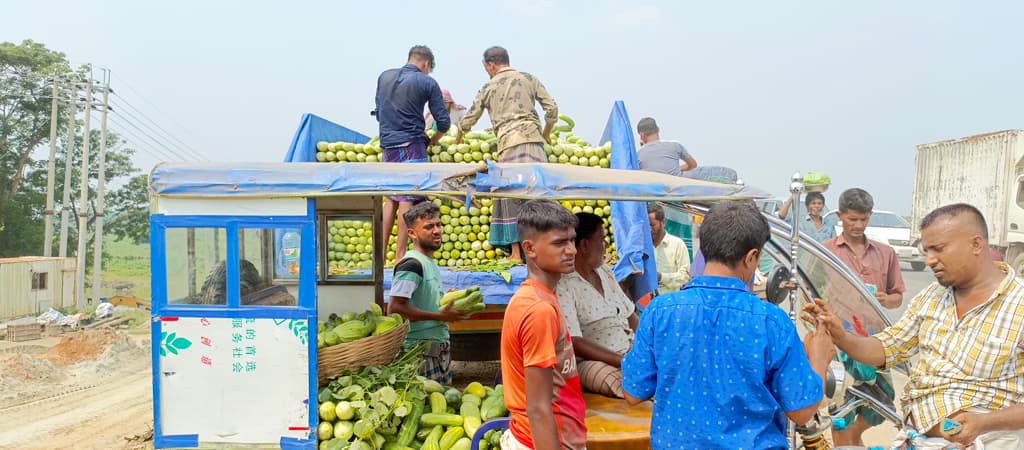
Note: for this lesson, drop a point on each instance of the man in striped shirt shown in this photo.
(968, 331)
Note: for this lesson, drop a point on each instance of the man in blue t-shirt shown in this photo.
(725, 369)
(401, 95)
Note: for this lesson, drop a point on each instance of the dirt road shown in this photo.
(96, 418)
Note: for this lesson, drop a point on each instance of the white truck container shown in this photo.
(986, 171)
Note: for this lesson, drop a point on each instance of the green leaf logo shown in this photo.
(299, 328)
(171, 343)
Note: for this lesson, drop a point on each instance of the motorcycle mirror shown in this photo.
(777, 287)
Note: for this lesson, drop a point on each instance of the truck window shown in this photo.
(1020, 193)
(349, 247)
(196, 266)
(259, 284)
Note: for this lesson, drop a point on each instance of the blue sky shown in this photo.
(768, 88)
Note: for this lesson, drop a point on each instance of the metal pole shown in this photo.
(69, 149)
(795, 188)
(97, 252)
(190, 261)
(83, 202)
(50, 169)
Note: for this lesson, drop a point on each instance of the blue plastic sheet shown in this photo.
(305, 179)
(630, 225)
(492, 286)
(312, 129)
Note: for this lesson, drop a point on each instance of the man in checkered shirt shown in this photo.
(968, 331)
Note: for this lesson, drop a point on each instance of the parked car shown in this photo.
(889, 228)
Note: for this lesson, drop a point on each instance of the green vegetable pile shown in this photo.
(351, 327)
(392, 408)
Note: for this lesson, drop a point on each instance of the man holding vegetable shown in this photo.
(416, 292)
(509, 100)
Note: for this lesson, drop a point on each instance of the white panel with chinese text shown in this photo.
(234, 380)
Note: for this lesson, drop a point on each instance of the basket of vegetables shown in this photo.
(391, 407)
(351, 341)
(816, 182)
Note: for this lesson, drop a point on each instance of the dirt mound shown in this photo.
(23, 376)
(119, 357)
(28, 368)
(85, 345)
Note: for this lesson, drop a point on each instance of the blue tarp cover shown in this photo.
(626, 187)
(630, 225)
(312, 129)
(554, 181)
(492, 286)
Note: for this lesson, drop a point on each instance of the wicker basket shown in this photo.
(369, 351)
(816, 187)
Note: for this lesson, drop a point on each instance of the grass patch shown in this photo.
(126, 269)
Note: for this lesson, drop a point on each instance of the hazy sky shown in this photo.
(768, 88)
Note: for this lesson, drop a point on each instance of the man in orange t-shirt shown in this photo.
(538, 366)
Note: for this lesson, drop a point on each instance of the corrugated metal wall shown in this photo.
(978, 170)
(17, 298)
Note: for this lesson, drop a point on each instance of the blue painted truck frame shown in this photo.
(306, 308)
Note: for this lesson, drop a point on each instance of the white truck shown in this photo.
(986, 171)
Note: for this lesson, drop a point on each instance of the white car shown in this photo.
(890, 228)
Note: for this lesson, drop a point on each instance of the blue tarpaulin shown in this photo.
(621, 182)
(492, 286)
(312, 129)
(629, 219)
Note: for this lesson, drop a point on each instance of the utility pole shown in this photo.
(97, 252)
(50, 169)
(69, 149)
(83, 203)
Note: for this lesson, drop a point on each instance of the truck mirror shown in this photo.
(777, 288)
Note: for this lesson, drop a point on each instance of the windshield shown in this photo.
(879, 219)
(887, 220)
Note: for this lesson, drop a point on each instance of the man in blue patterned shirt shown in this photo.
(725, 369)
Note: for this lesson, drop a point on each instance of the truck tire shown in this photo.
(1018, 262)
(917, 266)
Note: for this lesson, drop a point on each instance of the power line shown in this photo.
(141, 143)
(185, 148)
(169, 154)
(136, 143)
(134, 125)
(143, 98)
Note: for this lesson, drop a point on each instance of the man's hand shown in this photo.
(458, 138)
(547, 138)
(972, 425)
(435, 139)
(659, 277)
(819, 347)
(450, 314)
(819, 314)
(890, 301)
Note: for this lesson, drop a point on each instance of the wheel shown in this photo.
(917, 266)
(1018, 262)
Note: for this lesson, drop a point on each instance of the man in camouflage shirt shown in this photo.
(509, 98)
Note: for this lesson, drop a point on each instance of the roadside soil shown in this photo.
(89, 389)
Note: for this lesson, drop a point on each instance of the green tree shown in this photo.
(25, 71)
